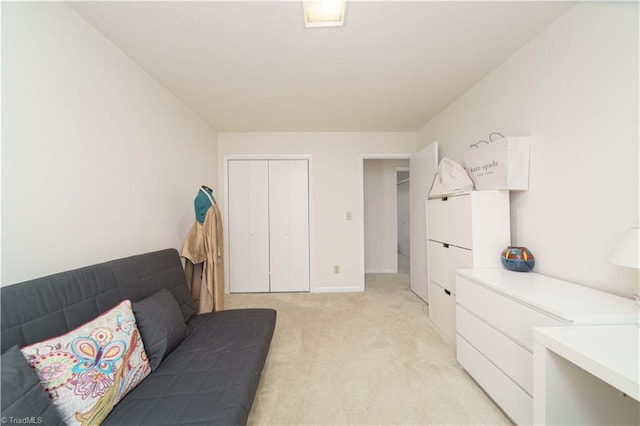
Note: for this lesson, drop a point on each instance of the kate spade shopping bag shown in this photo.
(501, 164)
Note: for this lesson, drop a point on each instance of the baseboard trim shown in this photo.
(336, 290)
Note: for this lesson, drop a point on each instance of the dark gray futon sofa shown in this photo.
(210, 378)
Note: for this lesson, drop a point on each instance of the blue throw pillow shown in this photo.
(23, 398)
(161, 325)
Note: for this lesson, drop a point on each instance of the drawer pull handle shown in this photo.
(447, 292)
(445, 198)
(445, 245)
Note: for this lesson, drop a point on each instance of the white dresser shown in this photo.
(463, 231)
(496, 312)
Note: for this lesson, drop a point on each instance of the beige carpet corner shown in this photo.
(362, 359)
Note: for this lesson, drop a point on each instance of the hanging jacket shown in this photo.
(204, 244)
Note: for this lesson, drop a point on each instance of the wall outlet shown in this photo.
(336, 269)
(347, 216)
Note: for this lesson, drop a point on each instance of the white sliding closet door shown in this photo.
(268, 225)
(289, 225)
(248, 224)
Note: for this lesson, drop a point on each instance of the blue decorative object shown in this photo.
(518, 259)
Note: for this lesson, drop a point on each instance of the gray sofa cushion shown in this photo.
(22, 395)
(161, 325)
(209, 379)
(39, 309)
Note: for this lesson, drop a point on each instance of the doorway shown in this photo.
(386, 215)
(404, 225)
(422, 165)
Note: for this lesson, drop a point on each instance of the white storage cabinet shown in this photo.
(496, 312)
(463, 231)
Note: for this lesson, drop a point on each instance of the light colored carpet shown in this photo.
(360, 359)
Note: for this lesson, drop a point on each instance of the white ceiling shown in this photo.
(251, 66)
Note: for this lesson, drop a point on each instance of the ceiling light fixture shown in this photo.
(324, 13)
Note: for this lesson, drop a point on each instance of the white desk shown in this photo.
(587, 375)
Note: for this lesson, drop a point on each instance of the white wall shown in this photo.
(99, 161)
(574, 89)
(381, 215)
(336, 188)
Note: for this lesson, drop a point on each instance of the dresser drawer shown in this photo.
(449, 220)
(508, 316)
(512, 359)
(442, 311)
(443, 262)
(514, 401)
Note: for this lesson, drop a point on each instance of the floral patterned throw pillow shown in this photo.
(88, 370)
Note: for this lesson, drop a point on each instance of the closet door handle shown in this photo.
(445, 245)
